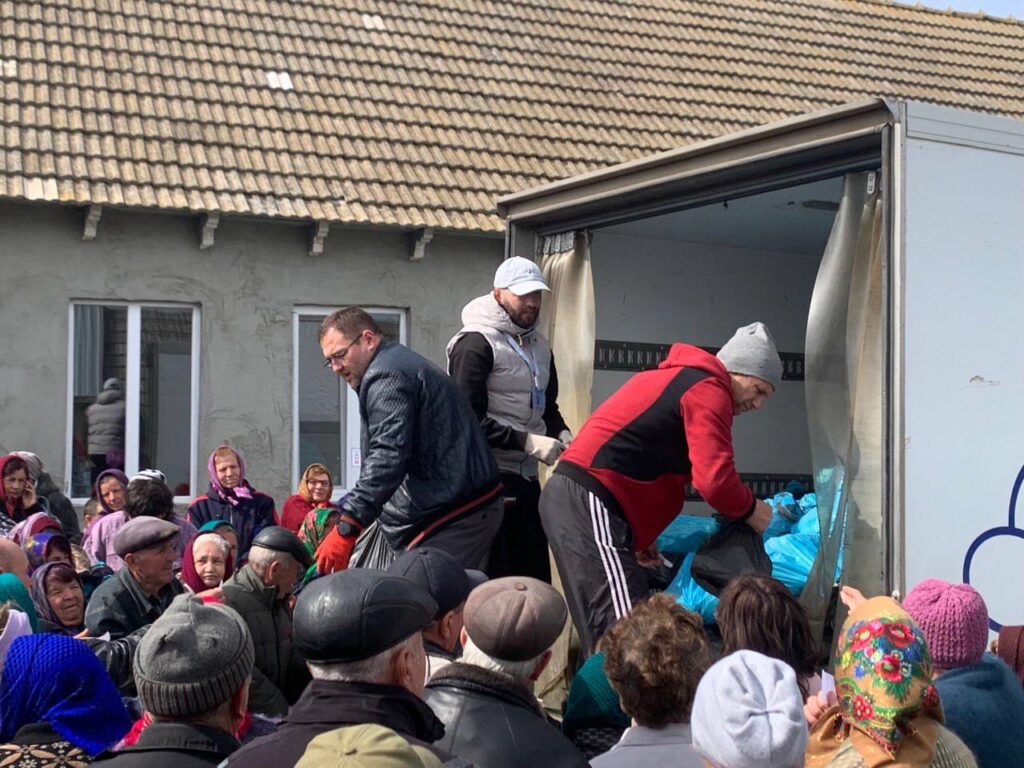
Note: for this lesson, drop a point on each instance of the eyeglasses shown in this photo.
(339, 357)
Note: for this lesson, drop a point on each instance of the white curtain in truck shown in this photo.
(843, 386)
(567, 319)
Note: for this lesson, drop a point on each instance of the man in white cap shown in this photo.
(624, 477)
(504, 365)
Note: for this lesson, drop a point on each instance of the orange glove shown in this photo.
(335, 550)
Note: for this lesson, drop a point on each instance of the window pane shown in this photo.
(390, 324)
(100, 364)
(165, 395)
(319, 404)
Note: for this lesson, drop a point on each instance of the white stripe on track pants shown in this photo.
(593, 549)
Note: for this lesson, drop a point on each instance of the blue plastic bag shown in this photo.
(692, 595)
(785, 512)
(685, 534)
(792, 557)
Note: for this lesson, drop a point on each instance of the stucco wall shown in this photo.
(247, 286)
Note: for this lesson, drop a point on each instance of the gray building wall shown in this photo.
(247, 287)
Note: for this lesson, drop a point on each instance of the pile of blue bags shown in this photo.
(792, 540)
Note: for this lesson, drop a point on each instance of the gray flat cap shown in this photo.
(143, 532)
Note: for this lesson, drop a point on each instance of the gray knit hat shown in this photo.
(195, 657)
(751, 352)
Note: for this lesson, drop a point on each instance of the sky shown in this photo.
(991, 7)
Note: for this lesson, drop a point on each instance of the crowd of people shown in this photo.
(407, 623)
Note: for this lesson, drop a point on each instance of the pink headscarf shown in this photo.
(241, 491)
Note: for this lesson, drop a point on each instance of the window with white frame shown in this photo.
(133, 393)
(325, 413)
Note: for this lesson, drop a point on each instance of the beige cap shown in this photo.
(515, 618)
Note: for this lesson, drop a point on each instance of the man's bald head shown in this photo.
(13, 560)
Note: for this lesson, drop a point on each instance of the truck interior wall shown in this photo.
(658, 290)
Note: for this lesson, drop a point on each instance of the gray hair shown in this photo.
(260, 559)
(219, 540)
(375, 669)
(521, 670)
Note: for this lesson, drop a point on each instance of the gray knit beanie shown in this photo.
(194, 657)
(748, 713)
(751, 352)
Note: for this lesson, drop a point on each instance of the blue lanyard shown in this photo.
(530, 360)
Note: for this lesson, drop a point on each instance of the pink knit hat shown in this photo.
(954, 620)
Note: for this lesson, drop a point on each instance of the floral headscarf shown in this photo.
(888, 707)
(34, 524)
(313, 469)
(314, 528)
(38, 547)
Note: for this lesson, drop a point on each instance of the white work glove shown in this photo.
(545, 449)
(565, 436)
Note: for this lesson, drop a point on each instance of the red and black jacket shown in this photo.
(660, 431)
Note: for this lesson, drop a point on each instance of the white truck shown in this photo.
(883, 244)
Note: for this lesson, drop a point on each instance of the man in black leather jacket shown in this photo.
(427, 475)
(485, 699)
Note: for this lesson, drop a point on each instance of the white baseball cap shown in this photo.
(521, 276)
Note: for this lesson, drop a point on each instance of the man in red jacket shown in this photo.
(623, 479)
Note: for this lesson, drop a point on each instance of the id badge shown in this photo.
(539, 398)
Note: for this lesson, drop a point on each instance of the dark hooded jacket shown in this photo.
(60, 507)
(326, 706)
(279, 674)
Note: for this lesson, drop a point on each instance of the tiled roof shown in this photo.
(420, 113)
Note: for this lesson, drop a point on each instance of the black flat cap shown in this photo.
(438, 573)
(282, 540)
(358, 613)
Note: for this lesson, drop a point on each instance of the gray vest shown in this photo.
(510, 385)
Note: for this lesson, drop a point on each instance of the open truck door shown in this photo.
(881, 244)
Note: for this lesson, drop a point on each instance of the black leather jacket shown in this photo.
(423, 452)
(495, 721)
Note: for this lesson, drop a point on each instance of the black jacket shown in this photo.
(120, 606)
(173, 745)
(495, 721)
(326, 706)
(424, 454)
(279, 674)
(60, 507)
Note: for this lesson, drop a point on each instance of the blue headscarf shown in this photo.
(57, 680)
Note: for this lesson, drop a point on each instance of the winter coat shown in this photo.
(294, 512)
(494, 361)
(37, 745)
(495, 721)
(173, 745)
(249, 517)
(325, 706)
(60, 507)
(279, 674)
(640, 747)
(424, 456)
(120, 606)
(984, 706)
(105, 419)
(661, 430)
(950, 752)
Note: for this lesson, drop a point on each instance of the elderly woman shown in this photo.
(98, 542)
(46, 547)
(888, 711)
(58, 706)
(315, 489)
(226, 531)
(59, 599)
(231, 498)
(207, 563)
